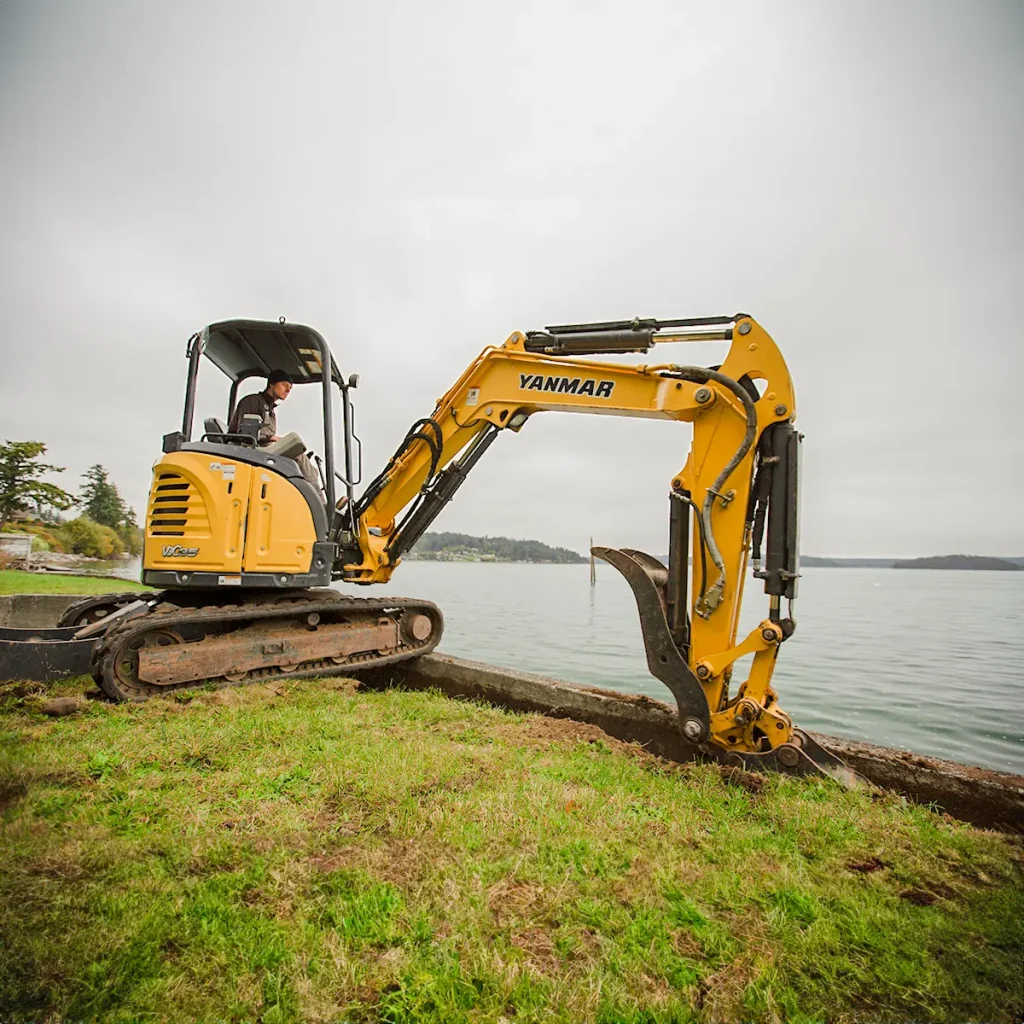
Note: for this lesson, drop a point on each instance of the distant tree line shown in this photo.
(932, 562)
(503, 548)
(28, 504)
(956, 562)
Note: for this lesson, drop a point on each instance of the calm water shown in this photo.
(926, 660)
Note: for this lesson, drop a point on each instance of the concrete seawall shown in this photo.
(34, 611)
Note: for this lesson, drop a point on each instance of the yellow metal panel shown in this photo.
(195, 515)
(280, 534)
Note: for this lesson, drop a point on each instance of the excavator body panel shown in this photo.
(212, 520)
(195, 515)
(280, 534)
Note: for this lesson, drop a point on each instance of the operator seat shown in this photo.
(288, 447)
(215, 430)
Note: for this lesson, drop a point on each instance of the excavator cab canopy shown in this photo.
(253, 348)
(241, 349)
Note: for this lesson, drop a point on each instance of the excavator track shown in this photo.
(98, 607)
(267, 638)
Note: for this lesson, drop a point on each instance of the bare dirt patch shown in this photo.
(510, 899)
(63, 864)
(720, 995)
(402, 862)
(750, 781)
(866, 866)
(926, 895)
(538, 950)
(19, 691)
(12, 793)
(453, 784)
(541, 731)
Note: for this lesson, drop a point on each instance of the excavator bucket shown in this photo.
(649, 580)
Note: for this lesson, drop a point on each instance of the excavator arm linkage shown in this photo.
(739, 479)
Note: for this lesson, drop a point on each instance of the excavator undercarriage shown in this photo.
(175, 640)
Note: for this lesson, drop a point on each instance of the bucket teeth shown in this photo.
(804, 756)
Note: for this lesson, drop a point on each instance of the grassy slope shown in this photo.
(321, 854)
(13, 581)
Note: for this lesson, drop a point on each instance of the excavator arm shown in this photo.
(739, 478)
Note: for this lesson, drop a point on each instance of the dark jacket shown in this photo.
(262, 405)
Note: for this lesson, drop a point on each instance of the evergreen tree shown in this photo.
(104, 505)
(21, 490)
(101, 499)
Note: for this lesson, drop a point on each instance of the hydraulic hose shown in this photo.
(703, 546)
(701, 375)
(435, 444)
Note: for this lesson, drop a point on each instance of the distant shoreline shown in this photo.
(465, 547)
(490, 560)
(962, 562)
(981, 563)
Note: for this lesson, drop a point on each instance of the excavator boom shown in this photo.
(739, 479)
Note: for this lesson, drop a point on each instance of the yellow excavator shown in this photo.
(243, 546)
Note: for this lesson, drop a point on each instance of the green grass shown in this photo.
(14, 581)
(323, 854)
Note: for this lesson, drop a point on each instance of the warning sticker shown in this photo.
(229, 472)
(229, 581)
(472, 396)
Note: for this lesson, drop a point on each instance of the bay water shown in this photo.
(926, 660)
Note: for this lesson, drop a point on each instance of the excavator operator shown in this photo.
(264, 404)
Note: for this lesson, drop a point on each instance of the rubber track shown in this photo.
(70, 614)
(263, 609)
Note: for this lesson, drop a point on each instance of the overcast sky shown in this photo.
(419, 180)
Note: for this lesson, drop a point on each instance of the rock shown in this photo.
(61, 706)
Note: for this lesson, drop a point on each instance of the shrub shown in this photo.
(113, 539)
(131, 537)
(84, 537)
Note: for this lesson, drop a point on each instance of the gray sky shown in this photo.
(418, 180)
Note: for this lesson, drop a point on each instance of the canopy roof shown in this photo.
(254, 348)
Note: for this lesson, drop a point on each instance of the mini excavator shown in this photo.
(243, 547)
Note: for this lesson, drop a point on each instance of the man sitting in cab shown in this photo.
(264, 405)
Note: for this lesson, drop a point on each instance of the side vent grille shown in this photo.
(176, 509)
